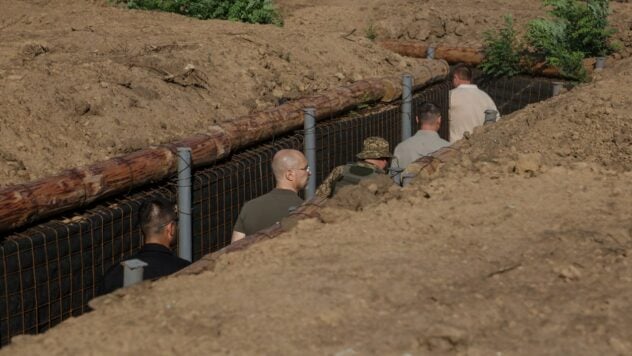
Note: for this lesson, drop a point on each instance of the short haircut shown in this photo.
(283, 160)
(428, 113)
(155, 214)
(463, 72)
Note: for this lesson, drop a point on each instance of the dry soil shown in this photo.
(520, 245)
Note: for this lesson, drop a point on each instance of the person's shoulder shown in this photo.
(339, 169)
(181, 262)
(407, 142)
(255, 201)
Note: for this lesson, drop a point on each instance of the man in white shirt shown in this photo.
(467, 104)
(423, 143)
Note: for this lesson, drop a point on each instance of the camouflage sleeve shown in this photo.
(326, 188)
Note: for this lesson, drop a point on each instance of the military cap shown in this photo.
(375, 148)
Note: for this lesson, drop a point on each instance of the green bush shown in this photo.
(577, 29)
(586, 23)
(252, 11)
(548, 40)
(370, 32)
(502, 52)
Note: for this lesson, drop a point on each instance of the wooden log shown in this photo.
(470, 56)
(26, 203)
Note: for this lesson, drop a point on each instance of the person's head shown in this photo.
(290, 169)
(461, 74)
(376, 151)
(158, 221)
(429, 117)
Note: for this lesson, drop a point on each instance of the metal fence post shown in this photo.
(490, 116)
(557, 88)
(185, 246)
(132, 271)
(430, 53)
(407, 100)
(310, 150)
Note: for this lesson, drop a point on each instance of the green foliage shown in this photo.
(549, 41)
(253, 11)
(586, 23)
(502, 51)
(577, 29)
(370, 32)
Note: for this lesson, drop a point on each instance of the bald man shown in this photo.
(291, 173)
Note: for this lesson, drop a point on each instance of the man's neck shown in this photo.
(286, 186)
(157, 241)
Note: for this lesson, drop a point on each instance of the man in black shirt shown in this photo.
(158, 222)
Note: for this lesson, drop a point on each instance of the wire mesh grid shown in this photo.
(512, 94)
(50, 271)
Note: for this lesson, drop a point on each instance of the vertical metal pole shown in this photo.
(490, 116)
(407, 100)
(185, 246)
(430, 53)
(310, 150)
(132, 271)
(557, 88)
(600, 64)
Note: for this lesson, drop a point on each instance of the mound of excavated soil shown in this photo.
(82, 81)
(519, 245)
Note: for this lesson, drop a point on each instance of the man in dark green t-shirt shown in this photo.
(290, 173)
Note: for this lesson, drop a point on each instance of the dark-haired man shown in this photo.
(423, 143)
(158, 223)
(467, 103)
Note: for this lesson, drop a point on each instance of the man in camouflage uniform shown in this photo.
(374, 159)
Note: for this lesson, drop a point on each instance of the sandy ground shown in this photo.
(518, 246)
(83, 81)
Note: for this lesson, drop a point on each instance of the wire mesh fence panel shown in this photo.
(512, 94)
(49, 272)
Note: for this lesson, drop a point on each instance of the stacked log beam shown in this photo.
(470, 56)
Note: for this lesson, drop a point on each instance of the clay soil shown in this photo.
(520, 245)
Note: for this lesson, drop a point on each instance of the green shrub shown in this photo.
(548, 40)
(577, 29)
(586, 23)
(502, 52)
(253, 11)
(370, 32)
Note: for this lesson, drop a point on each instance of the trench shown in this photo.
(51, 270)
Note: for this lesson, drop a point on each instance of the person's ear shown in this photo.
(171, 230)
(289, 175)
